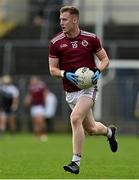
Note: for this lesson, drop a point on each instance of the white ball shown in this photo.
(84, 77)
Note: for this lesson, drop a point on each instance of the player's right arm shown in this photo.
(55, 71)
(54, 67)
(27, 100)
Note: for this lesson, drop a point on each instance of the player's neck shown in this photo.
(74, 33)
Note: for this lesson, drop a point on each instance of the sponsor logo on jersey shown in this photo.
(63, 45)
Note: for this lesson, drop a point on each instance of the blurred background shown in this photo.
(26, 26)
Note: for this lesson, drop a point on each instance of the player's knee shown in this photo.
(75, 119)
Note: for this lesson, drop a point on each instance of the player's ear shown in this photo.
(75, 20)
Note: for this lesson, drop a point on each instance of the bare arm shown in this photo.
(15, 103)
(103, 58)
(54, 67)
(55, 71)
(27, 100)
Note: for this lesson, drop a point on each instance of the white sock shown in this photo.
(109, 133)
(76, 158)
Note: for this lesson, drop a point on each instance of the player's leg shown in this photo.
(77, 116)
(3, 123)
(39, 129)
(38, 122)
(93, 127)
(12, 123)
(97, 128)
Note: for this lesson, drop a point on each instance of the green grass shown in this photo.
(26, 157)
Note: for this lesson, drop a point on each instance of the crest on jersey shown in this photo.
(74, 44)
(84, 43)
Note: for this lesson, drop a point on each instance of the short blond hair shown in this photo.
(72, 10)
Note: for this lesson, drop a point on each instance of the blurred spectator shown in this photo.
(35, 99)
(39, 17)
(48, 14)
(9, 95)
(50, 109)
(43, 8)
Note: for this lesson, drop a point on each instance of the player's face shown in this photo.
(67, 22)
(34, 80)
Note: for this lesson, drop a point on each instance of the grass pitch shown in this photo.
(25, 157)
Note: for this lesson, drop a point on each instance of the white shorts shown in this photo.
(73, 97)
(37, 110)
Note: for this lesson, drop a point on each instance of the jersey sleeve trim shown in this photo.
(85, 33)
(98, 50)
(57, 38)
(52, 56)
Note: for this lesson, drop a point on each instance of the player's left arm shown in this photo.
(15, 103)
(104, 62)
(103, 58)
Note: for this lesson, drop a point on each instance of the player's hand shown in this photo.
(96, 76)
(72, 77)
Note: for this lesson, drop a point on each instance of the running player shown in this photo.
(69, 50)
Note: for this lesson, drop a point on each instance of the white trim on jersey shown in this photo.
(85, 33)
(57, 38)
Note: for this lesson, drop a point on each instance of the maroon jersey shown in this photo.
(37, 93)
(74, 53)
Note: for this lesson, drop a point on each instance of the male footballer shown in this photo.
(69, 50)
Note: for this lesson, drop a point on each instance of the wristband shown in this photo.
(96, 69)
(62, 73)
